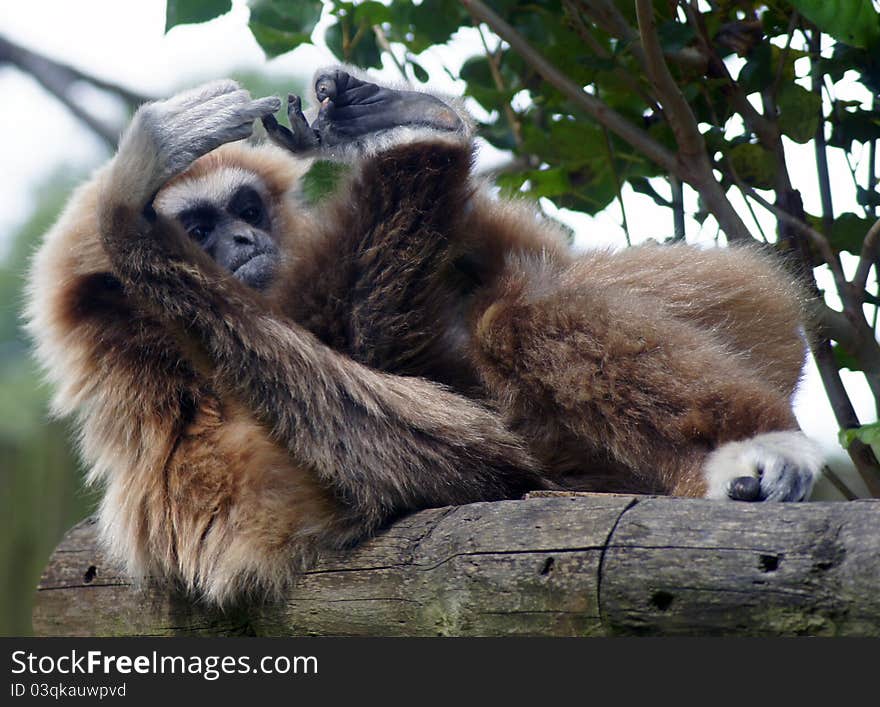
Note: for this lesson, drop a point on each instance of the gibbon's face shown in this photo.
(226, 212)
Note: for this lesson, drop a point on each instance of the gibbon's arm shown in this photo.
(387, 259)
(385, 444)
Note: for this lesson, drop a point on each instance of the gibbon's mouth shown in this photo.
(256, 271)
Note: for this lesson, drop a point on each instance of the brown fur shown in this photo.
(236, 434)
(227, 497)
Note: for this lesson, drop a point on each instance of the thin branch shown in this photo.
(609, 147)
(608, 17)
(58, 79)
(383, 42)
(680, 116)
(813, 236)
(845, 414)
(495, 70)
(838, 484)
(592, 106)
(821, 149)
(783, 55)
(677, 208)
(692, 147)
(596, 47)
(867, 258)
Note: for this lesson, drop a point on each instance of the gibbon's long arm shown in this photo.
(385, 444)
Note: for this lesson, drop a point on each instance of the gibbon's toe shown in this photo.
(745, 488)
(775, 466)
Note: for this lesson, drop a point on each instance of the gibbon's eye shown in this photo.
(200, 232)
(252, 214)
(247, 204)
(199, 221)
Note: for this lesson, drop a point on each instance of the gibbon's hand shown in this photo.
(177, 131)
(352, 109)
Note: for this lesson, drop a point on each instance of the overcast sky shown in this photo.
(125, 42)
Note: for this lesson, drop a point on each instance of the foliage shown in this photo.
(39, 469)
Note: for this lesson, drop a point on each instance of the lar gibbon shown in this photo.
(255, 380)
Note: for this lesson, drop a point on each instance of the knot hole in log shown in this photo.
(662, 600)
(769, 563)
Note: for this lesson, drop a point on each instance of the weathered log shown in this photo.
(563, 566)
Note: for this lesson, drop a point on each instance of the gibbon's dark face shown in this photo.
(227, 215)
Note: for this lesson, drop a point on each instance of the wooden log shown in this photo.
(580, 565)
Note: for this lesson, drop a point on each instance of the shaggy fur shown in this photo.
(237, 434)
(233, 445)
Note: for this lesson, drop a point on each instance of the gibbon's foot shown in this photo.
(300, 137)
(351, 109)
(775, 466)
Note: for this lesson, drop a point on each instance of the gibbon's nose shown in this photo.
(244, 238)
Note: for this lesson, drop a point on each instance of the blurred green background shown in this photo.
(42, 492)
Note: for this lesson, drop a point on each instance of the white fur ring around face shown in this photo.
(775, 466)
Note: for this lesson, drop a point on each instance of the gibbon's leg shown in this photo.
(744, 297)
(385, 444)
(609, 370)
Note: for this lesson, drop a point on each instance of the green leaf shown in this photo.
(362, 49)
(868, 198)
(675, 35)
(754, 165)
(372, 12)
(758, 72)
(844, 359)
(419, 71)
(848, 232)
(852, 126)
(799, 111)
(868, 434)
(854, 22)
(184, 12)
(641, 185)
(282, 25)
(322, 179)
(434, 22)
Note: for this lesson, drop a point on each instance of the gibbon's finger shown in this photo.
(245, 130)
(300, 139)
(262, 107)
(306, 137)
(280, 135)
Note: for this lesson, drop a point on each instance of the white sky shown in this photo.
(124, 42)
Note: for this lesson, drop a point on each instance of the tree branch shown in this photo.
(58, 78)
(592, 106)
(867, 258)
(821, 149)
(383, 42)
(692, 147)
(677, 110)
